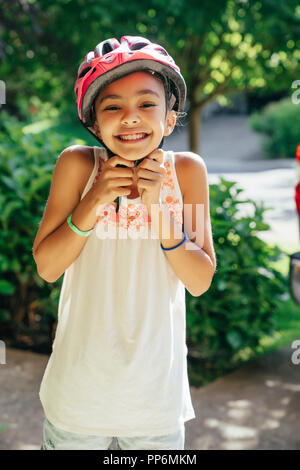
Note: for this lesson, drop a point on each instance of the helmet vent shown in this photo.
(138, 45)
(107, 47)
(163, 51)
(84, 71)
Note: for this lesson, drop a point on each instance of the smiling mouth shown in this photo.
(132, 139)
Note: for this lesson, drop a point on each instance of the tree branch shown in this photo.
(191, 53)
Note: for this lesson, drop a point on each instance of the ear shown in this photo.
(97, 130)
(170, 123)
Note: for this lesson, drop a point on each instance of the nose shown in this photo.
(130, 118)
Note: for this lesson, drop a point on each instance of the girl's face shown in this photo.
(133, 111)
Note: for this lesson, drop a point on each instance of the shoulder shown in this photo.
(81, 158)
(78, 152)
(188, 166)
(188, 159)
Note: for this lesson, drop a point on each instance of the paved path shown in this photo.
(255, 407)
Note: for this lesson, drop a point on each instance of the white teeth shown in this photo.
(132, 137)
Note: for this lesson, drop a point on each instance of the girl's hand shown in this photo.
(114, 180)
(150, 174)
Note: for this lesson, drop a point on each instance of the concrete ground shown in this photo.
(255, 407)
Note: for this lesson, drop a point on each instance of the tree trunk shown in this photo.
(195, 129)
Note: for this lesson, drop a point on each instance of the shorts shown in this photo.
(58, 439)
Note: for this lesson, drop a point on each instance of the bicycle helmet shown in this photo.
(112, 60)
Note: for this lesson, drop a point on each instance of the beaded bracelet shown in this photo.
(76, 230)
(182, 241)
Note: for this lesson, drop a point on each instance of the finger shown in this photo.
(153, 166)
(151, 175)
(117, 160)
(146, 184)
(157, 155)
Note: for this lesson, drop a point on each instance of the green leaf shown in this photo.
(234, 338)
(6, 288)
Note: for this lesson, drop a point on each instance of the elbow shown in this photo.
(197, 292)
(46, 276)
(191, 292)
(47, 279)
(43, 275)
(201, 287)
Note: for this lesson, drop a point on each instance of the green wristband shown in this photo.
(76, 230)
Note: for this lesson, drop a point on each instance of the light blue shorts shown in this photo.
(58, 439)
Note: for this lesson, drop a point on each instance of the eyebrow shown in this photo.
(140, 92)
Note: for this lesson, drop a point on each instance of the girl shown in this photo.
(118, 366)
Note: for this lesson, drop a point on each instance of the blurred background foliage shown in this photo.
(279, 123)
(221, 47)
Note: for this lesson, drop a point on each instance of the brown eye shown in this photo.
(110, 108)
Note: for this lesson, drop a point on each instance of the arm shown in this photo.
(56, 245)
(194, 262)
(58, 251)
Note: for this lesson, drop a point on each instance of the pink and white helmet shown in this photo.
(111, 60)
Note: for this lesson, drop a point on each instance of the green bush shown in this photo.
(280, 122)
(26, 166)
(226, 323)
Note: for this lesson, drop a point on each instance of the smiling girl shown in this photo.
(119, 362)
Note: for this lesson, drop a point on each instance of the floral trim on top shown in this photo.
(133, 217)
(168, 188)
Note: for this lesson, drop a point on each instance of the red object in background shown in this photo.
(297, 198)
(298, 153)
(297, 187)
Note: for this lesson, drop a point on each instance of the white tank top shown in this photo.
(118, 365)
